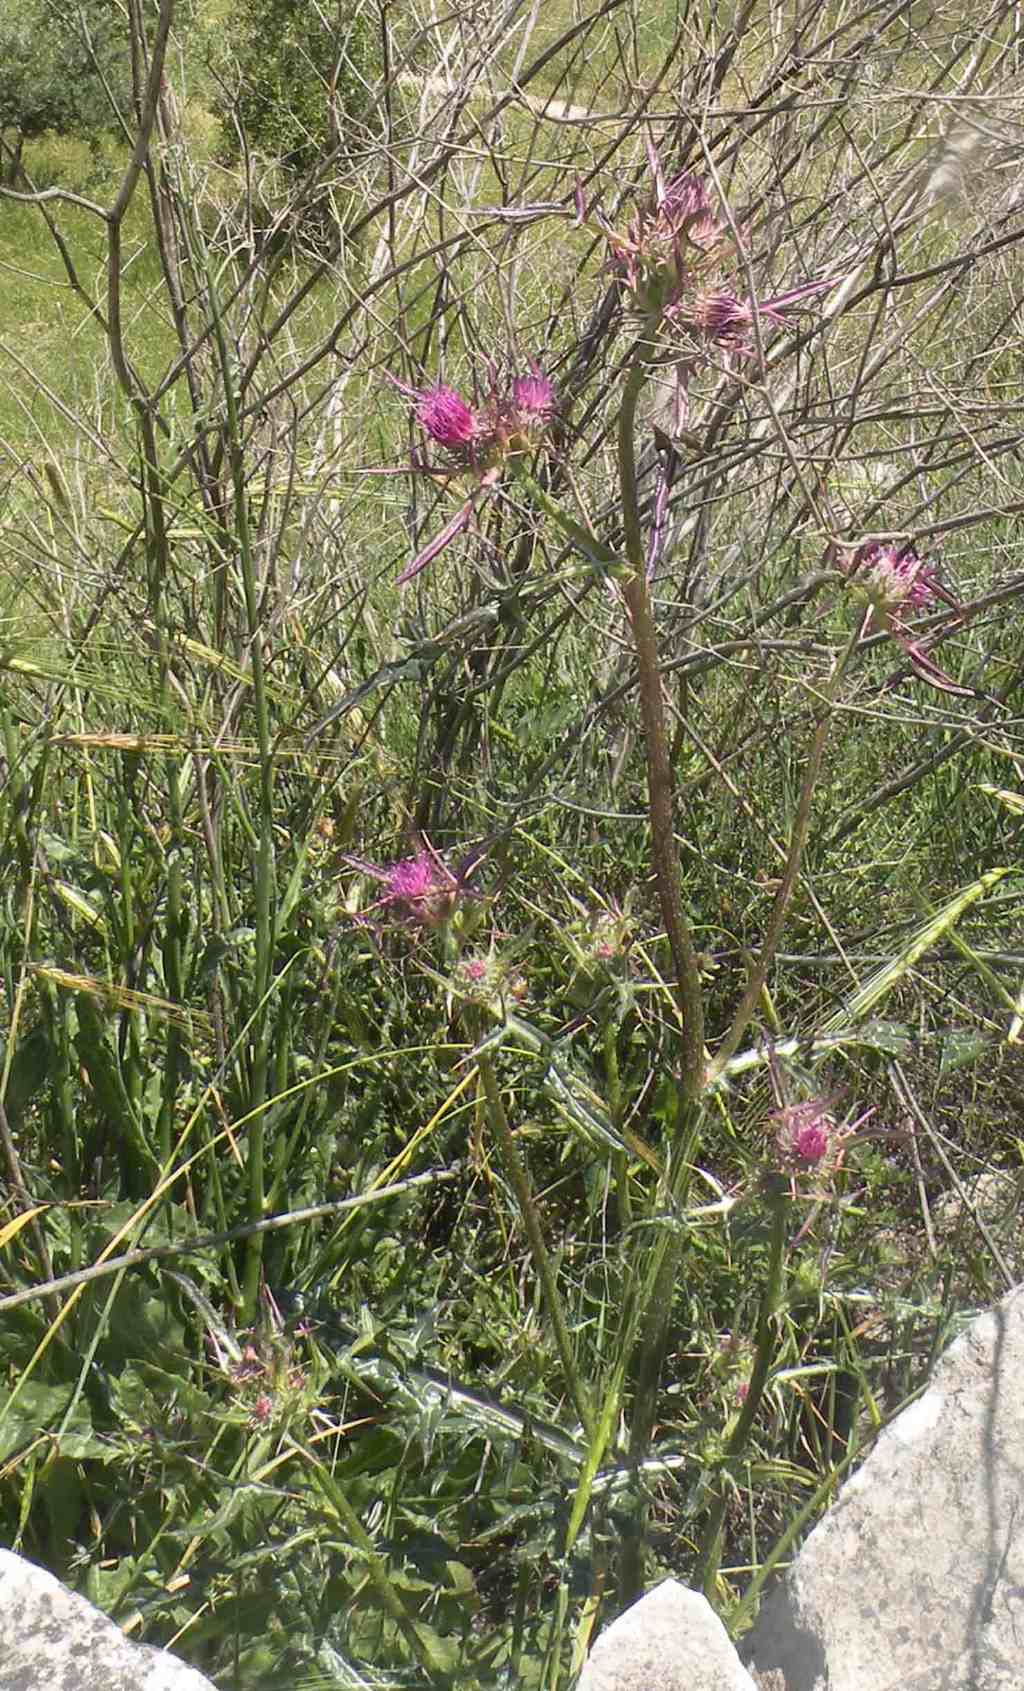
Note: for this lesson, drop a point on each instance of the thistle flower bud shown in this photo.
(806, 1136)
(491, 980)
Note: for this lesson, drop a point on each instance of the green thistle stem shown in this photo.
(706, 1569)
(521, 1185)
(663, 1268)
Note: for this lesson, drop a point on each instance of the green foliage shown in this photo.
(60, 68)
(303, 74)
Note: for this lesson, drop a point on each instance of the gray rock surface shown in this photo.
(53, 1640)
(671, 1640)
(914, 1580)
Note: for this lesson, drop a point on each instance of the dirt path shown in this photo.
(555, 111)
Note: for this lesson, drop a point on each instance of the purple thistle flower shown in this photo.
(477, 441)
(421, 890)
(532, 400)
(667, 242)
(811, 1140)
(893, 577)
(720, 317)
(684, 220)
(684, 198)
(445, 418)
(681, 205)
(444, 415)
(670, 246)
(418, 889)
(805, 1134)
(726, 320)
(410, 880)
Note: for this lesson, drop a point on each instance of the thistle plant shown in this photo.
(702, 443)
(690, 297)
(672, 267)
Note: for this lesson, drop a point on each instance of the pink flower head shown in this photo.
(684, 219)
(532, 400)
(893, 577)
(806, 1135)
(477, 441)
(444, 415)
(420, 890)
(682, 210)
(809, 1139)
(719, 316)
(667, 243)
(683, 201)
(722, 317)
(516, 416)
(411, 879)
(420, 887)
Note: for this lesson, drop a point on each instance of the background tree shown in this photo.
(64, 71)
(298, 66)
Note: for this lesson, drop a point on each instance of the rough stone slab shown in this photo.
(671, 1640)
(53, 1640)
(914, 1580)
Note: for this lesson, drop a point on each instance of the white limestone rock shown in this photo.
(53, 1640)
(671, 1640)
(914, 1580)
